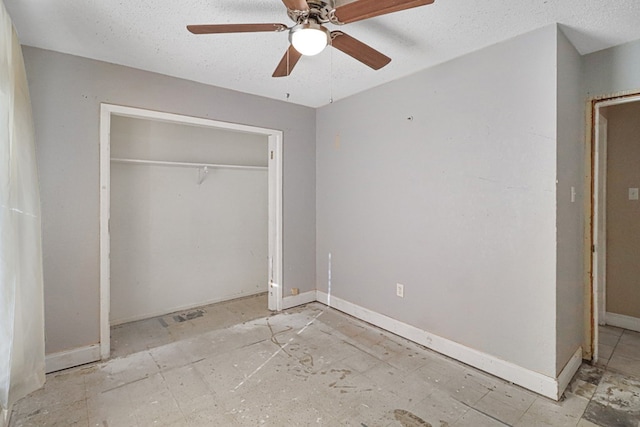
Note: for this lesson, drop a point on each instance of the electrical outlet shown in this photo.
(400, 290)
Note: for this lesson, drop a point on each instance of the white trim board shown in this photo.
(5, 416)
(296, 300)
(622, 321)
(534, 381)
(70, 358)
(569, 371)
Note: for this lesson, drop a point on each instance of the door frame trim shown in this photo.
(275, 138)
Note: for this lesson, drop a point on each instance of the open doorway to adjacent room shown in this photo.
(615, 225)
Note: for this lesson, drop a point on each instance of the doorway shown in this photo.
(274, 188)
(615, 211)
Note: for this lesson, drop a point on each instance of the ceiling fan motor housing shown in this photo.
(320, 11)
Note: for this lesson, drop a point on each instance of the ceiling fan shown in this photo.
(309, 36)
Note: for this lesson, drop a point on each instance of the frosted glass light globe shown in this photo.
(309, 39)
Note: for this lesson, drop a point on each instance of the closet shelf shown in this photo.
(186, 165)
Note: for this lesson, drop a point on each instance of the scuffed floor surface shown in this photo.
(306, 366)
(145, 334)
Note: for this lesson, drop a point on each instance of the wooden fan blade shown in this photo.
(235, 28)
(358, 50)
(364, 9)
(296, 4)
(288, 61)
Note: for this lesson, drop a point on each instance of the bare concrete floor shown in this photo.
(310, 365)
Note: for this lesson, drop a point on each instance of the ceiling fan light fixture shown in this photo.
(309, 38)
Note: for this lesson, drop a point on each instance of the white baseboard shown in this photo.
(5, 415)
(295, 300)
(622, 321)
(569, 371)
(534, 381)
(70, 358)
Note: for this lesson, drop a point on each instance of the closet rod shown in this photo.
(183, 164)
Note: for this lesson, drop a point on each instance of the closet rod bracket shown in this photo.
(202, 174)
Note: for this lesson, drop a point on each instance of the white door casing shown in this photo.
(275, 226)
(600, 213)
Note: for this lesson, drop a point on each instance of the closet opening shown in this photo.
(190, 216)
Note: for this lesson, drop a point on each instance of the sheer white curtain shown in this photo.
(21, 294)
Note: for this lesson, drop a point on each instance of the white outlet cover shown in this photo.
(633, 194)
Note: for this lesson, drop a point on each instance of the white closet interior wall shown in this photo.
(181, 236)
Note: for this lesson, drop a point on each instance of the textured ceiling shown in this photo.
(151, 35)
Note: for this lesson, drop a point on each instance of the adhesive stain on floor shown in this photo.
(616, 402)
(407, 419)
(190, 315)
(590, 374)
(586, 381)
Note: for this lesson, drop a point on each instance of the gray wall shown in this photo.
(458, 204)
(570, 215)
(66, 93)
(613, 70)
(176, 242)
(157, 140)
